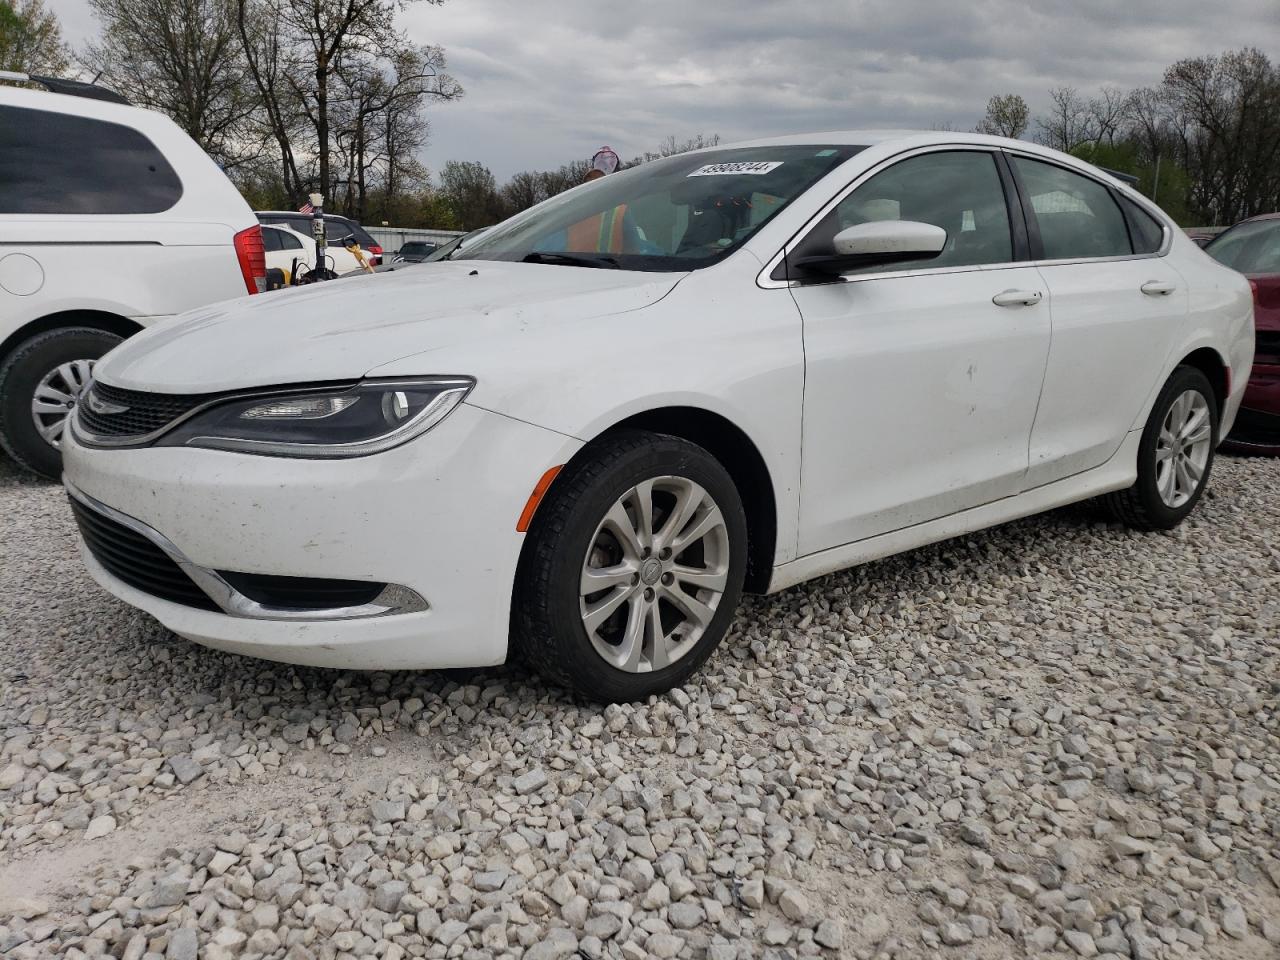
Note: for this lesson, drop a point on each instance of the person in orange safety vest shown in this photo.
(607, 231)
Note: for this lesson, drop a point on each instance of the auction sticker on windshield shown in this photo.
(755, 167)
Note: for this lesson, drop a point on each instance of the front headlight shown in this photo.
(370, 417)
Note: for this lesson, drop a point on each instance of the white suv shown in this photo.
(111, 218)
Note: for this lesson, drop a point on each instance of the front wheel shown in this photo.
(1175, 455)
(633, 568)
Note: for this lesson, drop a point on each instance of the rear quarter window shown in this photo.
(1148, 234)
(56, 163)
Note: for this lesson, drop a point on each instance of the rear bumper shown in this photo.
(1257, 426)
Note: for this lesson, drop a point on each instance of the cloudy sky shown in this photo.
(551, 80)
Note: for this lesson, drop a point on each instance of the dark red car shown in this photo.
(1253, 247)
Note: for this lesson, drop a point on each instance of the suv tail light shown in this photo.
(375, 254)
(252, 257)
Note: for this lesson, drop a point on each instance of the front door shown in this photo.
(921, 382)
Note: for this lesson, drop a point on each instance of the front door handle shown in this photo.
(1017, 298)
(1158, 288)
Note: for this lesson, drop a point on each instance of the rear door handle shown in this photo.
(1158, 288)
(1017, 298)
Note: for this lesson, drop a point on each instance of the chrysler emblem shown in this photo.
(98, 405)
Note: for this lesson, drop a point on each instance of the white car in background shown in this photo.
(111, 219)
(287, 250)
(589, 430)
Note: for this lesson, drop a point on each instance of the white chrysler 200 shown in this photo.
(583, 436)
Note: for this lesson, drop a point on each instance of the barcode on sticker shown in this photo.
(755, 167)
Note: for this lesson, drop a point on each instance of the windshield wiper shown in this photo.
(600, 260)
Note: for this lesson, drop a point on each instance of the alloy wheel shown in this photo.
(56, 396)
(1183, 448)
(654, 574)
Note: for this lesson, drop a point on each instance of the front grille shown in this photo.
(144, 413)
(303, 593)
(131, 557)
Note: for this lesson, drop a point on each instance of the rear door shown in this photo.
(1115, 303)
(921, 379)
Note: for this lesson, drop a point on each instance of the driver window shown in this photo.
(959, 191)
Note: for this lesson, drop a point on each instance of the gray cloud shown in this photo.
(549, 82)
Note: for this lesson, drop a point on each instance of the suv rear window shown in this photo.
(63, 164)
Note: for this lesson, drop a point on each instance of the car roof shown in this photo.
(81, 106)
(904, 139)
(298, 213)
(1261, 216)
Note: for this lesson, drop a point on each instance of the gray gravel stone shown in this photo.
(530, 782)
(1049, 738)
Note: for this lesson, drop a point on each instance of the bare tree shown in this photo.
(1007, 116)
(269, 60)
(672, 146)
(1067, 125)
(1227, 112)
(184, 58)
(31, 38)
(1106, 113)
(378, 121)
(1146, 116)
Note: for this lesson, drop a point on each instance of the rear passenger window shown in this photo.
(1148, 234)
(271, 240)
(1078, 218)
(58, 163)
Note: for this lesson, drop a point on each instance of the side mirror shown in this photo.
(875, 243)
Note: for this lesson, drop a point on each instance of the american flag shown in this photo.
(307, 208)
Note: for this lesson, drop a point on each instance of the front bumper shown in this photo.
(436, 516)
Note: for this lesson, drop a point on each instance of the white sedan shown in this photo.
(583, 436)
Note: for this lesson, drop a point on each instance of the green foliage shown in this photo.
(1127, 156)
(31, 38)
(1007, 116)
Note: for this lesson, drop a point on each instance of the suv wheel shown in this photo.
(40, 383)
(633, 568)
(1175, 455)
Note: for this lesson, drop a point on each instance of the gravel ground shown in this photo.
(1058, 737)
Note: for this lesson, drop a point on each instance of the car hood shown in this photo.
(341, 329)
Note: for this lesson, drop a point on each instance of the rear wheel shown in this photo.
(40, 384)
(1175, 455)
(633, 568)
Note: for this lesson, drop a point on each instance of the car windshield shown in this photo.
(415, 248)
(449, 249)
(680, 213)
(1249, 247)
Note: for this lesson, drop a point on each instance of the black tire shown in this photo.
(22, 372)
(546, 618)
(1140, 506)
